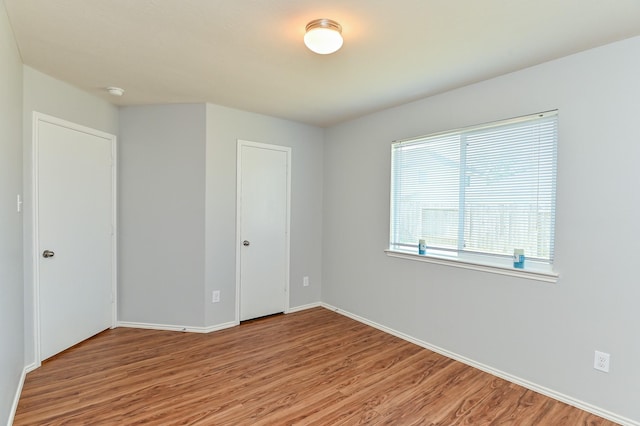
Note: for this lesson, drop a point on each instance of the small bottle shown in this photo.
(518, 258)
(422, 247)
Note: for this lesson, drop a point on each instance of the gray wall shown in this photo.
(540, 332)
(11, 299)
(178, 210)
(224, 127)
(162, 214)
(47, 95)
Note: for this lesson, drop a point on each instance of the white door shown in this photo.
(75, 270)
(263, 234)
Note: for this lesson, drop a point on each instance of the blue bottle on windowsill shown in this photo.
(518, 258)
(422, 247)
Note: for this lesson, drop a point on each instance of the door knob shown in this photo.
(245, 243)
(48, 253)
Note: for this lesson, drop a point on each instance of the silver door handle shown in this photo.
(245, 243)
(48, 253)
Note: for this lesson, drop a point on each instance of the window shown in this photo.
(485, 190)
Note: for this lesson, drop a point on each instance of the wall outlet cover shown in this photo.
(601, 361)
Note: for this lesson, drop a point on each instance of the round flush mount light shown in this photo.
(323, 36)
(115, 91)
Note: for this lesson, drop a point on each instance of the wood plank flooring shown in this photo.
(314, 367)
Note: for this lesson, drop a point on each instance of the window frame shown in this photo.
(493, 263)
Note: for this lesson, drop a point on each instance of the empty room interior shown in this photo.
(434, 221)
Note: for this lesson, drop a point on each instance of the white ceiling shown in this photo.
(249, 54)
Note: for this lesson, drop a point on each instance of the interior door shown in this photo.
(263, 209)
(74, 232)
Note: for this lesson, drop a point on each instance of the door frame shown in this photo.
(35, 147)
(240, 144)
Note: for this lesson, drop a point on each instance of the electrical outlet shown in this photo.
(601, 361)
(215, 297)
(305, 281)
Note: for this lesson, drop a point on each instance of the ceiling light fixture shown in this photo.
(323, 36)
(115, 91)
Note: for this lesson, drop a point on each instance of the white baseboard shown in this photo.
(191, 329)
(16, 397)
(29, 368)
(506, 376)
(304, 307)
(168, 327)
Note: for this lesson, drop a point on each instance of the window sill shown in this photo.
(528, 273)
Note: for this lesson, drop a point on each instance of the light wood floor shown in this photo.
(314, 367)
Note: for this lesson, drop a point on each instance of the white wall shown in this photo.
(224, 127)
(47, 95)
(540, 332)
(161, 214)
(11, 299)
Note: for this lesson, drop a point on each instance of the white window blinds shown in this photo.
(486, 189)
